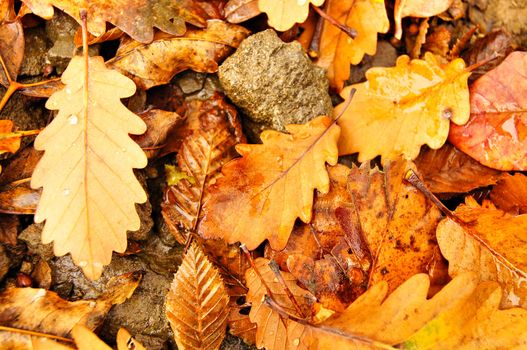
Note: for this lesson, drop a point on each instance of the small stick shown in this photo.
(352, 33)
(273, 265)
(314, 47)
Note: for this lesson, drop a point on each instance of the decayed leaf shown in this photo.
(337, 49)
(510, 194)
(274, 331)
(417, 8)
(283, 14)
(397, 221)
(87, 167)
(9, 140)
(401, 108)
(12, 49)
(262, 193)
(448, 170)
(491, 244)
(21, 166)
(136, 18)
(237, 11)
(199, 49)
(214, 131)
(8, 229)
(496, 134)
(43, 311)
(196, 304)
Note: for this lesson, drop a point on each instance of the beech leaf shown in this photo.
(337, 49)
(263, 192)
(196, 305)
(283, 14)
(496, 134)
(87, 168)
(489, 243)
(401, 108)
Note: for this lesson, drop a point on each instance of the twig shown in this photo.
(352, 33)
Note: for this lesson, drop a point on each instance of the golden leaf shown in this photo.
(401, 108)
(337, 49)
(90, 190)
(510, 194)
(489, 243)
(156, 63)
(283, 14)
(196, 305)
(262, 193)
(135, 17)
(417, 8)
(43, 311)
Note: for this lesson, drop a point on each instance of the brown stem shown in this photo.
(314, 47)
(36, 334)
(350, 31)
(273, 265)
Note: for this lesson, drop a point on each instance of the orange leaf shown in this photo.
(417, 8)
(262, 193)
(283, 14)
(337, 49)
(87, 168)
(401, 108)
(9, 141)
(496, 134)
(510, 194)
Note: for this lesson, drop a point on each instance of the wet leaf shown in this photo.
(417, 8)
(448, 170)
(12, 49)
(496, 133)
(21, 166)
(283, 14)
(18, 198)
(199, 49)
(401, 108)
(510, 194)
(95, 197)
(337, 49)
(9, 140)
(237, 11)
(262, 193)
(489, 243)
(8, 229)
(43, 311)
(196, 305)
(137, 18)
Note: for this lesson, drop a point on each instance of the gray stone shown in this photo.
(274, 83)
(31, 236)
(35, 51)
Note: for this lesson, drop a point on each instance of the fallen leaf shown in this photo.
(274, 331)
(438, 41)
(93, 194)
(158, 62)
(401, 108)
(496, 133)
(43, 311)
(237, 11)
(448, 170)
(490, 243)
(12, 42)
(136, 18)
(417, 8)
(196, 305)
(125, 341)
(337, 49)
(213, 130)
(18, 198)
(510, 194)
(261, 194)
(397, 221)
(9, 140)
(21, 166)
(283, 14)
(8, 229)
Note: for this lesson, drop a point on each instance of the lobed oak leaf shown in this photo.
(43, 311)
(399, 109)
(417, 8)
(448, 170)
(158, 62)
(196, 305)
(496, 133)
(338, 50)
(510, 194)
(262, 193)
(490, 243)
(136, 18)
(94, 192)
(283, 14)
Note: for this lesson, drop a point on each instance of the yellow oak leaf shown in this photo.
(337, 49)
(283, 14)
(417, 8)
(489, 243)
(90, 190)
(399, 109)
(262, 193)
